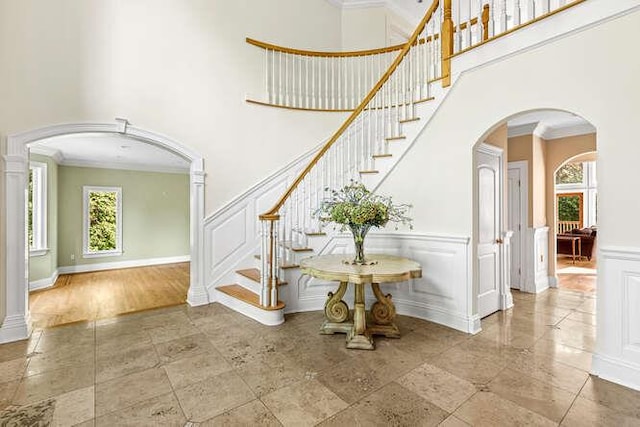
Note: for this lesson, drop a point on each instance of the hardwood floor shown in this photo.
(581, 276)
(101, 294)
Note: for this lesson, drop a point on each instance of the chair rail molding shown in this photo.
(16, 155)
(617, 356)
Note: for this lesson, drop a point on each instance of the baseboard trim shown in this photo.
(87, 268)
(14, 328)
(616, 370)
(553, 281)
(45, 283)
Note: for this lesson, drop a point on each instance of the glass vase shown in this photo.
(359, 233)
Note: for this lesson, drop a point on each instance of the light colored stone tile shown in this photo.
(549, 371)
(74, 407)
(468, 366)
(53, 383)
(438, 386)
(211, 397)
(180, 348)
(7, 390)
(353, 379)
(453, 421)
(12, 370)
(133, 388)
(537, 396)
(490, 410)
(276, 372)
(35, 414)
(550, 350)
(391, 405)
(64, 358)
(303, 404)
(189, 370)
(171, 332)
(162, 410)
(253, 413)
(585, 412)
(125, 362)
(19, 349)
(613, 396)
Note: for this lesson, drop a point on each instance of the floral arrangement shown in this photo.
(355, 208)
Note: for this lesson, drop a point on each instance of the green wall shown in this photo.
(155, 213)
(42, 267)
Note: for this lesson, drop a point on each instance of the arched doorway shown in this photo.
(16, 323)
(531, 141)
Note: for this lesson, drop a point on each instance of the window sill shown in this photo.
(38, 252)
(101, 254)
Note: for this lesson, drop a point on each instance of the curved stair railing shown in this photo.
(353, 148)
(376, 121)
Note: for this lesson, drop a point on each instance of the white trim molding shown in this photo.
(537, 260)
(617, 356)
(15, 147)
(85, 268)
(45, 283)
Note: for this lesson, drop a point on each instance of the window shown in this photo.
(576, 188)
(571, 173)
(37, 209)
(102, 231)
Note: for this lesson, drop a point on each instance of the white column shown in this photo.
(15, 325)
(197, 294)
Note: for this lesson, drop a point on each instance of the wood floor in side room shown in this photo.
(581, 276)
(102, 294)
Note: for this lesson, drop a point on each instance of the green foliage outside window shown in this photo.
(571, 173)
(102, 221)
(569, 208)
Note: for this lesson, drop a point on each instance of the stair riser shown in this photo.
(269, 318)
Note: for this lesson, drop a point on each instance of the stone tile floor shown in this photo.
(209, 366)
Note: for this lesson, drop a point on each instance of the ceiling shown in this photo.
(112, 151)
(549, 124)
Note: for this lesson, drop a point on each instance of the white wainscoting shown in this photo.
(537, 260)
(443, 294)
(617, 356)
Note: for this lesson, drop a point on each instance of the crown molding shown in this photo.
(52, 153)
(521, 130)
(565, 132)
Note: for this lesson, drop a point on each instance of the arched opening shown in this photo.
(16, 325)
(533, 145)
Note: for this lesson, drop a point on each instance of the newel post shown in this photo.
(447, 43)
(269, 260)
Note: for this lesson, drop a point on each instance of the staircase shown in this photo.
(377, 134)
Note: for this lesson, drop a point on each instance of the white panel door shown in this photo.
(488, 176)
(514, 219)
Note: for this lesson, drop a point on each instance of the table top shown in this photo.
(387, 268)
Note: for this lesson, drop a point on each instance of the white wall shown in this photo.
(570, 74)
(180, 68)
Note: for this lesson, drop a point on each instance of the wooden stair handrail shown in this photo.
(272, 214)
(304, 52)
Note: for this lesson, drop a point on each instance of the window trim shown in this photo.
(39, 209)
(86, 253)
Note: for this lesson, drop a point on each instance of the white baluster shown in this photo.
(516, 13)
(264, 264)
(274, 265)
(267, 75)
(531, 9)
(544, 6)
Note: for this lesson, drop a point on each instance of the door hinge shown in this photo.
(519, 271)
(519, 227)
(519, 183)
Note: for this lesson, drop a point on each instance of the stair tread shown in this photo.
(369, 172)
(395, 138)
(245, 295)
(288, 245)
(375, 156)
(254, 274)
(412, 119)
(283, 266)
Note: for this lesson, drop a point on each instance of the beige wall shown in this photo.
(559, 151)
(538, 177)
(521, 149)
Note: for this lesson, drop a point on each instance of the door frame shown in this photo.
(16, 160)
(523, 167)
(505, 297)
